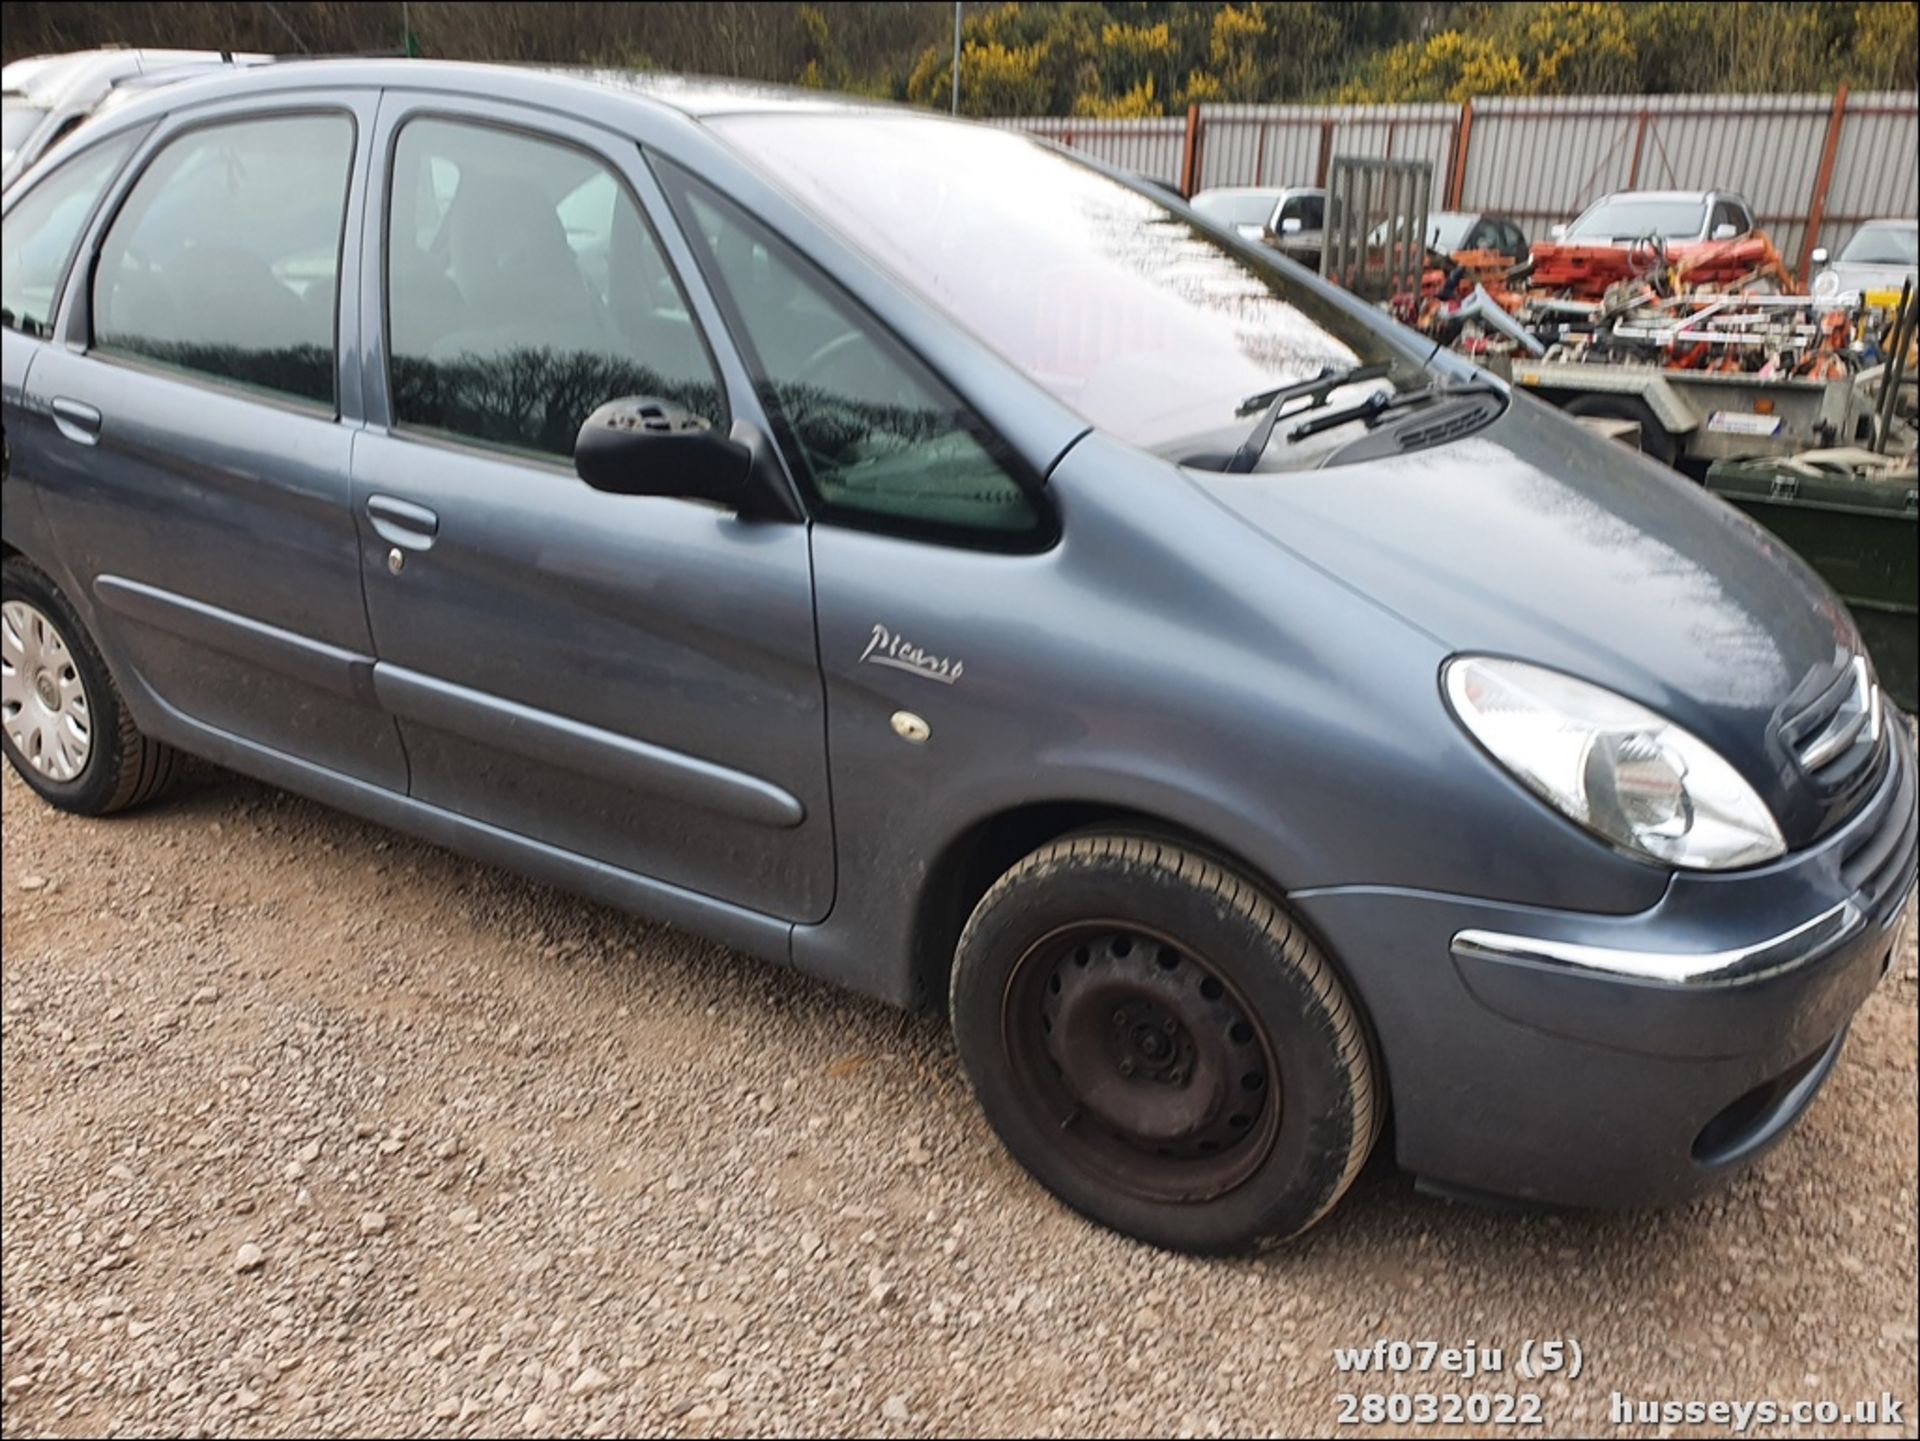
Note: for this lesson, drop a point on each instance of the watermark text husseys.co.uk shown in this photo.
(1742, 1415)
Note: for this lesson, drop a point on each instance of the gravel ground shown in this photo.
(312, 1130)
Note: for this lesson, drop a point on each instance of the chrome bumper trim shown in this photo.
(1860, 711)
(1675, 968)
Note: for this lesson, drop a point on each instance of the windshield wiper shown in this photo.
(1377, 405)
(1319, 388)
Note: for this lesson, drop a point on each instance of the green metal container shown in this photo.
(1856, 520)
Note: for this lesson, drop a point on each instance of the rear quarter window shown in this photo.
(38, 236)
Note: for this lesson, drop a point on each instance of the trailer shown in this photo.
(1723, 369)
(1706, 416)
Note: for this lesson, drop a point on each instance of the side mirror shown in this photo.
(1820, 255)
(1290, 226)
(640, 445)
(1558, 232)
(1725, 230)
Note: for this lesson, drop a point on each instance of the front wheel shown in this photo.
(1160, 1047)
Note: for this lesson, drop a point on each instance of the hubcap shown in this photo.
(1143, 1059)
(43, 705)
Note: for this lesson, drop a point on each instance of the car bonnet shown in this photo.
(1535, 540)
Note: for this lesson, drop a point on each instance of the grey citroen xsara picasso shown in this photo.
(910, 554)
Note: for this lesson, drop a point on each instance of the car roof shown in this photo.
(131, 88)
(696, 96)
(1891, 222)
(44, 80)
(50, 80)
(704, 95)
(1667, 194)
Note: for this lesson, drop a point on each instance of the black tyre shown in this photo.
(1160, 1047)
(63, 724)
(1655, 439)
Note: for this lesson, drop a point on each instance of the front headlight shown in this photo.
(1630, 776)
(1826, 283)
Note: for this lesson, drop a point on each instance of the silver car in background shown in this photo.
(1675, 217)
(1882, 255)
(48, 96)
(1289, 218)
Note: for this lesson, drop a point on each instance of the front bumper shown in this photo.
(1624, 1060)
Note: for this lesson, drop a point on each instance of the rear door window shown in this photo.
(225, 259)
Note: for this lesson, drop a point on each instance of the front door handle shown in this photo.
(401, 522)
(76, 420)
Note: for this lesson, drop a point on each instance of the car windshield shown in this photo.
(1633, 218)
(18, 120)
(1150, 326)
(1884, 245)
(1446, 230)
(1236, 207)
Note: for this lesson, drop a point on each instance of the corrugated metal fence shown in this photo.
(1812, 166)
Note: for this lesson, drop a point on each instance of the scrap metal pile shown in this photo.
(1728, 307)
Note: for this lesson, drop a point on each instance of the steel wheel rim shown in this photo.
(1143, 1061)
(44, 708)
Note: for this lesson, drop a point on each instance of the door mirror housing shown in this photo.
(1725, 230)
(1290, 226)
(643, 445)
(1820, 255)
(1558, 232)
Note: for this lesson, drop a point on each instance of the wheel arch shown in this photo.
(987, 849)
(973, 860)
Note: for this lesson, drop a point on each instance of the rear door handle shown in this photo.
(401, 522)
(76, 420)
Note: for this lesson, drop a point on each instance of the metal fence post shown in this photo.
(1639, 144)
(1457, 172)
(1190, 152)
(1817, 206)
